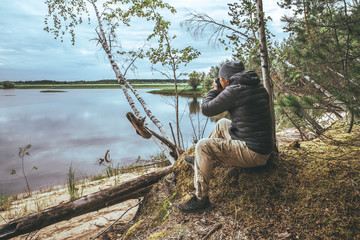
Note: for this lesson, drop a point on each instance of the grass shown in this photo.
(19, 205)
(182, 90)
(113, 171)
(158, 85)
(97, 177)
(72, 187)
(5, 204)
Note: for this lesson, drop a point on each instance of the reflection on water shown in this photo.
(194, 106)
(76, 127)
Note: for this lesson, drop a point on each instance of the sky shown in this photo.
(27, 52)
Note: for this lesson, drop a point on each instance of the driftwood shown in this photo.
(128, 190)
(146, 133)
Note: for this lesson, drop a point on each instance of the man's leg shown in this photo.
(232, 152)
(218, 147)
(204, 157)
(221, 129)
(200, 200)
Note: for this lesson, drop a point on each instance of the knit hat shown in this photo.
(228, 69)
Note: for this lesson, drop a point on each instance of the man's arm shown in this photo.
(216, 103)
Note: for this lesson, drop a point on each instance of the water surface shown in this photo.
(77, 127)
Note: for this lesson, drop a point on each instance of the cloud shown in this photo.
(29, 53)
(86, 52)
(34, 9)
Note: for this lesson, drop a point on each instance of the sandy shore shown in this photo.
(86, 226)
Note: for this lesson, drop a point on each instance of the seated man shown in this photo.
(243, 141)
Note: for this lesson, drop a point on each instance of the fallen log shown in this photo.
(92, 202)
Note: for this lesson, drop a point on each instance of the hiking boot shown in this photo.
(189, 160)
(194, 205)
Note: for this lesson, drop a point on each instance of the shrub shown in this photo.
(208, 83)
(8, 84)
(5, 204)
(195, 78)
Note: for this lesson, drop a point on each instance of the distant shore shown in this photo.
(165, 88)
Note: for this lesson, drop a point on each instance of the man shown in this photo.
(243, 141)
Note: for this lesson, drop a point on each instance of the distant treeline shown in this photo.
(105, 81)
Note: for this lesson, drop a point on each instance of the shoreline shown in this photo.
(95, 86)
(87, 225)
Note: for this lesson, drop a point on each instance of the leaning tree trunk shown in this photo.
(318, 128)
(331, 97)
(128, 190)
(122, 81)
(265, 64)
(296, 126)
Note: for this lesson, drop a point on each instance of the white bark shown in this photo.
(265, 64)
(122, 81)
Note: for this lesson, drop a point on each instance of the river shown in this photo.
(77, 127)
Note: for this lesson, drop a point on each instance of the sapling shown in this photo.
(23, 152)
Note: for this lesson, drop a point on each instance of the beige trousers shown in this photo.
(220, 146)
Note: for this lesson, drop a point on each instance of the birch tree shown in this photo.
(168, 56)
(265, 69)
(65, 15)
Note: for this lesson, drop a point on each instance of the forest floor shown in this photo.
(310, 190)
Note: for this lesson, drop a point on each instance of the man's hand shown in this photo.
(216, 86)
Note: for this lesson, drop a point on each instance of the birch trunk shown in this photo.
(122, 81)
(147, 110)
(265, 64)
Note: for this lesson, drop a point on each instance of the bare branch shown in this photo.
(133, 61)
(198, 23)
(116, 220)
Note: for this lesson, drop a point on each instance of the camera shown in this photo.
(217, 80)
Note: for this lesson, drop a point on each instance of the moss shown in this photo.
(158, 235)
(132, 229)
(155, 209)
(184, 175)
(165, 209)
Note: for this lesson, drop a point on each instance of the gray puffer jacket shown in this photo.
(247, 103)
